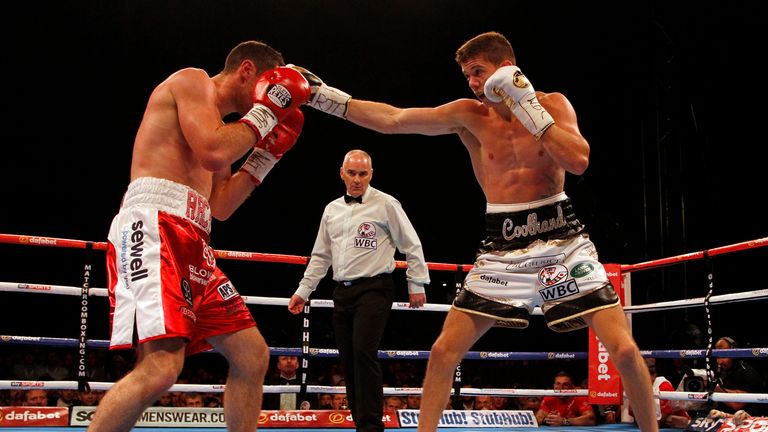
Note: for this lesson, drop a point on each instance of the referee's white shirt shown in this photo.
(359, 240)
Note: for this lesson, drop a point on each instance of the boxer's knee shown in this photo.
(626, 354)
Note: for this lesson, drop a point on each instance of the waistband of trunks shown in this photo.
(170, 197)
(516, 230)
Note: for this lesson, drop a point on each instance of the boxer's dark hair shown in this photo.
(492, 45)
(262, 55)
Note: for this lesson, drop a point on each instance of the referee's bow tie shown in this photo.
(349, 198)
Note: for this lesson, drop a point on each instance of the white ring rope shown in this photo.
(429, 307)
(218, 388)
(323, 303)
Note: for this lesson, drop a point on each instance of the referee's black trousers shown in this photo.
(360, 316)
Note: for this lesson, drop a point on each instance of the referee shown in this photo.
(357, 237)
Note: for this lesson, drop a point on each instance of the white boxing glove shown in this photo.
(508, 84)
(324, 97)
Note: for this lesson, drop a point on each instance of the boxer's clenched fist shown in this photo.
(325, 98)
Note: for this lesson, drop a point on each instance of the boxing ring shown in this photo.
(621, 276)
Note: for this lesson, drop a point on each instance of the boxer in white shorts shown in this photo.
(521, 143)
(162, 274)
(536, 254)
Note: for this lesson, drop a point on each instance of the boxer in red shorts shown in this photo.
(163, 278)
(167, 296)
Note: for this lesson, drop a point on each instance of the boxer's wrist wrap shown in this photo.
(261, 119)
(259, 163)
(331, 100)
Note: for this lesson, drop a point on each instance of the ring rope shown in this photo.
(224, 254)
(693, 256)
(708, 353)
(409, 354)
(303, 260)
(429, 307)
(326, 352)
(218, 388)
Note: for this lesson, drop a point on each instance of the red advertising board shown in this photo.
(33, 416)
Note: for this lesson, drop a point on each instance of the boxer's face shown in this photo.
(477, 70)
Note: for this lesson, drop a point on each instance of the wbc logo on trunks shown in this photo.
(554, 279)
(551, 275)
(366, 236)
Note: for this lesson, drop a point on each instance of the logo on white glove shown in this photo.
(519, 80)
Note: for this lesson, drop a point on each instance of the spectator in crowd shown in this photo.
(16, 397)
(29, 368)
(194, 400)
(36, 397)
(339, 401)
(166, 400)
(499, 402)
(91, 398)
(53, 367)
(413, 402)
(393, 403)
(69, 363)
(464, 401)
(483, 402)
(286, 367)
(212, 401)
(604, 414)
(94, 366)
(119, 366)
(178, 396)
(324, 401)
(68, 398)
(531, 403)
(738, 376)
(5, 398)
(565, 410)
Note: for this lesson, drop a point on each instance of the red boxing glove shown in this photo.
(277, 93)
(268, 151)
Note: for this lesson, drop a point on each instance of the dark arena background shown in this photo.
(669, 96)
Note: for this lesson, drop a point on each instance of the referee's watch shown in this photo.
(566, 422)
